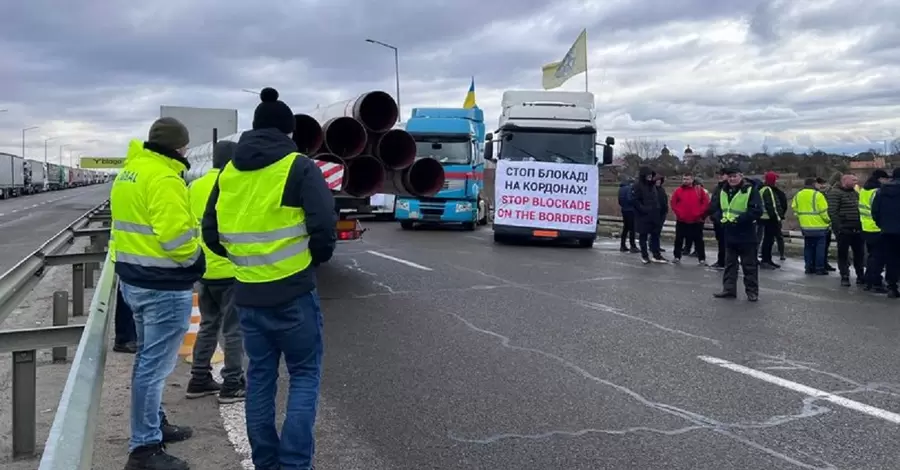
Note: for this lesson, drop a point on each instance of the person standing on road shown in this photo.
(647, 210)
(690, 204)
(626, 206)
(886, 212)
(843, 210)
(158, 259)
(717, 223)
(782, 204)
(811, 209)
(738, 207)
(875, 260)
(824, 187)
(272, 214)
(769, 223)
(663, 210)
(217, 313)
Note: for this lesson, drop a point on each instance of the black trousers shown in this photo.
(768, 231)
(653, 237)
(689, 234)
(124, 321)
(745, 255)
(720, 240)
(628, 229)
(892, 258)
(875, 259)
(827, 246)
(845, 243)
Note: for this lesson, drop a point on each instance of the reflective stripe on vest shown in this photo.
(737, 206)
(154, 261)
(766, 190)
(866, 196)
(217, 267)
(265, 240)
(809, 214)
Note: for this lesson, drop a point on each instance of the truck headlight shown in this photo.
(403, 205)
(463, 207)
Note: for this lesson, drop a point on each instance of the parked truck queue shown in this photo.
(20, 176)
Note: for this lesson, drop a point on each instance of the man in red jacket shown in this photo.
(689, 203)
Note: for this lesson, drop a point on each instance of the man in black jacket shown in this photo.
(717, 225)
(737, 208)
(886, 212)
(843, 209)
(647, 214)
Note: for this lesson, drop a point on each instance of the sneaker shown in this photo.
(893, 293)
(701, 262)
(232, 394)
(623, 249)
(645, 260)
(782, 258)
(660, 260)
(127, 348)
(173, 433)
(767, 265)
(154, 457)
(752, 297)
(830, 268)
(635, 249)
(860, 281)
(823, 272)
(198, 388)
(845, 281)
(878, 290)
(725, 295)
(676, 260)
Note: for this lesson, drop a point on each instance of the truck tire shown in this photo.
(482, 212)
(406, 224)
(468, 226)
(498, 238)
(586, 242)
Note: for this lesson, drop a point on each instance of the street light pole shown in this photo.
(45, 150)
(60, 153)
(396, 69)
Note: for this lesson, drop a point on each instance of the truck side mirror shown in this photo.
(610, 141)
(607, 154)
(489, 149)
(489, 137)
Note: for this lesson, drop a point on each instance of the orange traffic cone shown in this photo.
(190, 338)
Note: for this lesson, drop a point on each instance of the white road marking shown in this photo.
(806, 390)
(235, 422)
(400, 260)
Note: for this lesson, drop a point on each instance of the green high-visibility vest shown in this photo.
(866, 196)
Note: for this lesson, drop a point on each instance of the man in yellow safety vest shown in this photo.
(272, 214)
(875, 254)
(158, 259)
(811, 209)
(737, 208)
(216, 302)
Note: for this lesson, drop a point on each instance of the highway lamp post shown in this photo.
(60, 153)
(396, 68)
(48, 139)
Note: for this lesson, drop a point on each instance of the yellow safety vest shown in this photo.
(217, 267)
(265, 240)
(811, 209)
(732, 209)
(152, 224)
(765, 192)
(866, 196)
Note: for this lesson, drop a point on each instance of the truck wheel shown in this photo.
(406, 225)
(499, 238)
(482, 212)
(469, 226)
(586, 243)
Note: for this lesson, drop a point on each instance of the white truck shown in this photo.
(547, 169)
(12, 175)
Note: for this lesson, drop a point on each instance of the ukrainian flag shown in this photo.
(469, 102)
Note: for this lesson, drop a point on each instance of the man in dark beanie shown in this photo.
(158, 259)
(875, 249)
(886, 213)
(272, 214)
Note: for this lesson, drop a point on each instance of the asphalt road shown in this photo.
(28, 221)
(480, 356)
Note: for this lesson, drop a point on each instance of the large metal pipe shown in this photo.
(376, 110)
(307, 134)
(424, 178)
(344, 136)
(363, 176)
(395, 148)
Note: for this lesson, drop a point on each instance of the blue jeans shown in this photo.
(295, 331)
(161, 319)
(814, 252)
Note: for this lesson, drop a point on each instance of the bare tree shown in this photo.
(764, 149)
(644, 148)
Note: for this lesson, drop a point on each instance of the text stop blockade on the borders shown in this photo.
(557, 196)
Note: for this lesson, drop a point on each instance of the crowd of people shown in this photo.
(747, 218)
(267, 219)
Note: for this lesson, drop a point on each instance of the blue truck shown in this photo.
(455, 137)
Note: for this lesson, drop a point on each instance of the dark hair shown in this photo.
(809, 181)
(820, 180)
(688, 174)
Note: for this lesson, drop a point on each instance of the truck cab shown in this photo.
(547, 177)
(454, 137)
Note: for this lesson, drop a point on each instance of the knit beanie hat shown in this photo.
(771, 177)
(168, 133)
(272, 113)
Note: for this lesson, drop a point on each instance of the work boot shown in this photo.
(623, 249)
(767, 265)
(725, 295)
(199, 388)
(717, 266)
(877, 290)
(635, 249)
(845, 281)
(822, 272)
(829, 267)
(860, 280)
(752, 296)
(893, 293)
(173, 433)
(127, 348)
(233, 393)
(154, 457)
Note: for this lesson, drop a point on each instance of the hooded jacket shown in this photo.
(743, 230)
(690, 204)
(625, 203)
(645, 197)
(306, 189)
(663, 200)
(886, 208)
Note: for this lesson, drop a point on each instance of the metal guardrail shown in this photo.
(17, 283)
(793, 236)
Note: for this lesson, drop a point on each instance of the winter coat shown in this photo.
(743, 230)
(644, 196)
(663, 204)
(626, 205)
(690, 203)
(843, 208)
(781, 201)
(886, 208)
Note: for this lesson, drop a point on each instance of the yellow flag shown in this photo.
(575, 62)
(469, 102)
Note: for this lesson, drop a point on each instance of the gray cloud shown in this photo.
(732, 73)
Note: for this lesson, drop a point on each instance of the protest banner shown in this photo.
(545, 195)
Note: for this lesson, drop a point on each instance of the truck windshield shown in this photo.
(444, 151)
(548, 146)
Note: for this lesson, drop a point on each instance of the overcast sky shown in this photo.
(735, 73)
